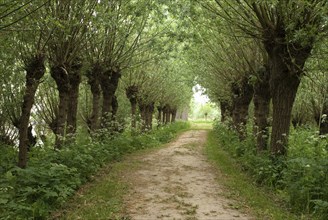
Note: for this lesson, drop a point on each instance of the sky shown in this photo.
(198, 96)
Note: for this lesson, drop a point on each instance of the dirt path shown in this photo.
(177, 182)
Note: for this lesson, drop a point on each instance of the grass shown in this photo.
(201, 125)
(259, 202)
(102, 198)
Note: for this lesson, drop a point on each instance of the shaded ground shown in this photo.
(176, 182)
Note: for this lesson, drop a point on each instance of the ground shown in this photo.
(176, 182)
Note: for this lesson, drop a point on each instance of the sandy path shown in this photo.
(177, 182)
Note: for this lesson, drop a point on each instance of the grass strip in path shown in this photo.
(251, 198)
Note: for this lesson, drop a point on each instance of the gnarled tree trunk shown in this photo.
(166, 114)
(262, 98)
(150, 111)
(132, 94)
(35, 70)
(74, 77)
(286, 72)
(160, 115)
(142, 110)
(60, 75)
(242, 96)
(173, 114)
(109, 84)
(94, 82)
(224, 106)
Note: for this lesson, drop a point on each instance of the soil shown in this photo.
(177, 182)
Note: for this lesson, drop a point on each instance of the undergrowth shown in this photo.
(53, 176)
(301, 178)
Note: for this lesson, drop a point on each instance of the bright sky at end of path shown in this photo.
(198, 96)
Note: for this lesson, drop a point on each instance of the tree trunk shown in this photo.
(94, 82)
(114, 124)
(60, 75)
(262, 99)
(132, 94)
(164, 111)
(282, 99)
(159, 116)
(150, 113)
(114, 107)
(285, 78)
(133, 114)
(107, 98)
(242, 96)
(109, 84)
(74, 77)
(35, 70)
(173, 115)
(224, 110)
(286, 60)
(167, 114)
(142, 110)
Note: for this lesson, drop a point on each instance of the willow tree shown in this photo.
(13, 13)
(68, 29)
(288, 31)
(113, 39)
(133, 81)
(230, 63)
(311, 104)
(11, 89)
(28, 48)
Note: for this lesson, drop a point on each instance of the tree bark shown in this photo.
(159, 116)
(173, 115)
(282, 99)
(94, 82)
(167, 114)
(35, 70)
(286, 59)
(142, 110)
(150, 112)
(262, 98)
(133, 114)
(60, 75)
(132, 94)
(286, 71)
(109, 84)
(242, 96)
(74, 77)
(223, 109)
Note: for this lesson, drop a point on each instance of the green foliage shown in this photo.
(305, 177)
(53, 176)
(199, 110)
(301, 176)
(260, 201)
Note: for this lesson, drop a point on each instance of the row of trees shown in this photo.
(74, 55)
(263, 51)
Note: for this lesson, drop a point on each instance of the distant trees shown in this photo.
(93, 45)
